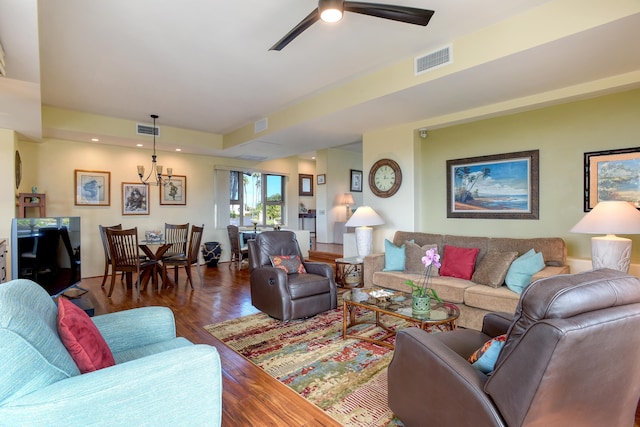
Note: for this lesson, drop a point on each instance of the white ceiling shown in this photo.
(205, 65)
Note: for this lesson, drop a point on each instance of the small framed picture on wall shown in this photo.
(92, 188)
(305, 185)
(322, 179)
(175, 191)
(356, 180)
(135, 198)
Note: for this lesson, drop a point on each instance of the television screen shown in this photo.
(47, 251)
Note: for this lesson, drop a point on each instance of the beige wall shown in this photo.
(50, 166)
(339, 165)
(8, 145)
(399, 211)
(562, 134)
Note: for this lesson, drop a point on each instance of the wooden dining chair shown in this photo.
(187, 260)
(238, 253)
(125, 257)
(176, 235)
(107, 251)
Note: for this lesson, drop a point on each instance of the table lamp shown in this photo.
(363, 218)
(348, 201)
(610, 218)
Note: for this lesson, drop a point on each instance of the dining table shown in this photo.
(161, 247)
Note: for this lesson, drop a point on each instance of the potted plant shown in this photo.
(421, 293)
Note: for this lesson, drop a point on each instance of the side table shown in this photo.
(349, 272)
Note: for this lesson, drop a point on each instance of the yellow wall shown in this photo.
(8, 144)
(50, 165)
(562, 134)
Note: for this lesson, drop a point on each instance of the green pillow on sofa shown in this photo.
(522, 269)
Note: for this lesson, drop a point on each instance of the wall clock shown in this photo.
(18, 166)
(385, 178)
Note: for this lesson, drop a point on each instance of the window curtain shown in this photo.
(221, 186)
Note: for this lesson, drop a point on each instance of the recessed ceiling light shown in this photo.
(178, 149)
(95, 139)
(139, 145)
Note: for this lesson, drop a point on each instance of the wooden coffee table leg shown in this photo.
(347, 310)
(344, 320)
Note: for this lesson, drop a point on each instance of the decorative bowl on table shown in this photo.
(381, 296)
(153, 236)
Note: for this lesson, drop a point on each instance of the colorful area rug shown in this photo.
(345, 378)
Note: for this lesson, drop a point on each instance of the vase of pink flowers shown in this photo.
(421, 293)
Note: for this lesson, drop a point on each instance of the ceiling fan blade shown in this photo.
(410, 15)
(297, 30)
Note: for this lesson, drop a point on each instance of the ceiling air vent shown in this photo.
(146, 129)
(251, 157)
(433, 60)
(260, 125)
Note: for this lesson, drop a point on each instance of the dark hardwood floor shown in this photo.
(251, 397)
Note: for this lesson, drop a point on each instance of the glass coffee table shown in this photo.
(397, 304)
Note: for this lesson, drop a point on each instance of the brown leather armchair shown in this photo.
(288, 296)
(571, 358)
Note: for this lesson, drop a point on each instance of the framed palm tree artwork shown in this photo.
(501, 186)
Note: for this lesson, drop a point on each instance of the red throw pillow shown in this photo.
(458, 262)
(81, 337)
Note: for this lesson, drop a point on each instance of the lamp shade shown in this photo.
(347, 199)
(364, 216)
(610, 217)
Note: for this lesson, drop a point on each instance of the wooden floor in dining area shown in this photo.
(251, 397)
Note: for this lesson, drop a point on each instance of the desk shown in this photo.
(156, 271)
(310, 214)
(245, 236)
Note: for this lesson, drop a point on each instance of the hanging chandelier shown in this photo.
(156, 169)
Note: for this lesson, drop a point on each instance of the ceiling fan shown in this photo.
(332, 10)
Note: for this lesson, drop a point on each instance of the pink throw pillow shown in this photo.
(459, 262)
(81, 337)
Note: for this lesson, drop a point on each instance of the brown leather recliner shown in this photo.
(288, 296)
(571, 358)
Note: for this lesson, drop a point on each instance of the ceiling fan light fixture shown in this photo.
(330, 10)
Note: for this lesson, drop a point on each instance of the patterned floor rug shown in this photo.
(345, 378)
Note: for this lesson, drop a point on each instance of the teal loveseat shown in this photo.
(158, 379)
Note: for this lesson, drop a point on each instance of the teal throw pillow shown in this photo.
(522, 269)
(394, 257)
(484, 359)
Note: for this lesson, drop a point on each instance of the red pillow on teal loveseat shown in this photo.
(82, 338)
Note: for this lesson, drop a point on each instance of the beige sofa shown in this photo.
(474, 300)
